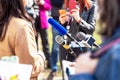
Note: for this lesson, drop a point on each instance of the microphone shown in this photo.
(57, 26)
(87, 39)
(61, 29)
(59, 39)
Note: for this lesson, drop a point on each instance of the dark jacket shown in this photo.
(88, 21)
(108, 67)
(57, 3)
(56, 6)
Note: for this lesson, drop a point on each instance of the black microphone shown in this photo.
(87, 39)
(59, 39)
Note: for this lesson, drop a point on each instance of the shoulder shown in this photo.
(93, 4)
(17, 24)
(113, 53)
(93, 7)
(20, 26)
(112, 59)
(115, 49)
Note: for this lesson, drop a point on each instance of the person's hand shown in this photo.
(40, 2)
(84, 64)
(39, 64)
(63, 18)
(76, 14)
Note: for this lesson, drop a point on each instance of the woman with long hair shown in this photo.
(17, 36)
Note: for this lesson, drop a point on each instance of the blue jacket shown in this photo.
(108, 67)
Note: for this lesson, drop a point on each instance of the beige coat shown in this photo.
(20, 41)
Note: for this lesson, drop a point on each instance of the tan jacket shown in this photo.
(20, 41)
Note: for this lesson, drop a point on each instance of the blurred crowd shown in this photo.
(22, 22)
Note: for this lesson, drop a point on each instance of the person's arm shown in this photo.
(109, 64)
(45, 4)
(26, 50)
(89, 25)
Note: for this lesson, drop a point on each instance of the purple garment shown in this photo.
(43, 15)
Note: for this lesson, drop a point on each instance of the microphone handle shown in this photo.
(72, 39)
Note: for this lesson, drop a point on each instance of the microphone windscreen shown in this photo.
(81, 36)
(59, 39)
(57, 26)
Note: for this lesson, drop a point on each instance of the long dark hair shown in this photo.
(11, 8)
(109, 16)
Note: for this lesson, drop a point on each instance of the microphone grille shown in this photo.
(59, 39)
(81, 35)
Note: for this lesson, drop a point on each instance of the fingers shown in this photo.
(63, 18)
(76, 14)
(76, 9)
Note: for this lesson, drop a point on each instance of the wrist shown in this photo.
(79, 20)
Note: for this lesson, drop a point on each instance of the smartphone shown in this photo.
(62, 11)
(72, 5)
